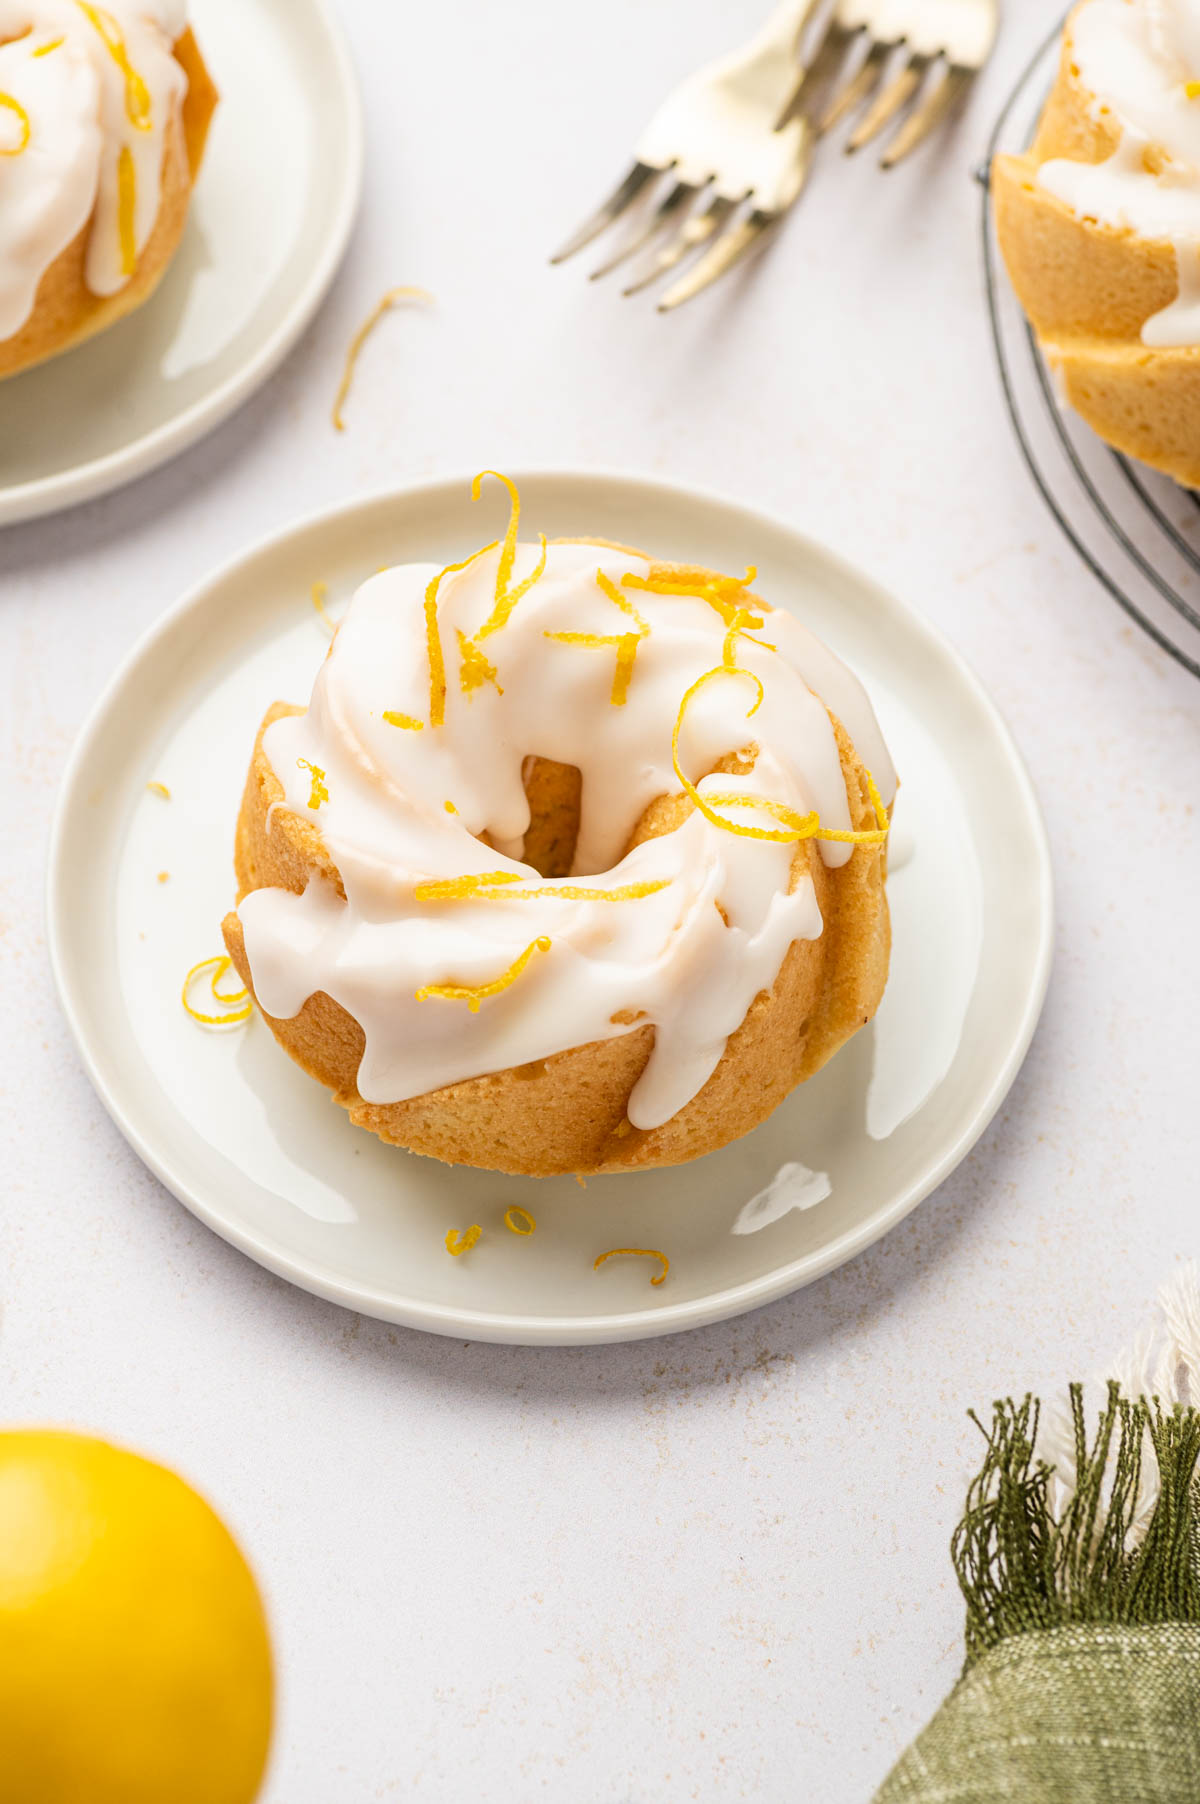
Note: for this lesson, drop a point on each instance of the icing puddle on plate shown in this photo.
(345, 1196)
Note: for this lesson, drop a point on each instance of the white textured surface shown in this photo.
(714, 1567)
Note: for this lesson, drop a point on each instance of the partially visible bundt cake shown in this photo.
(104, 112)
(1099, 225)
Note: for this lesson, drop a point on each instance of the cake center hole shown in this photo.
(553, 792)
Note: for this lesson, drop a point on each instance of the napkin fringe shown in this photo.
(1024, 1565)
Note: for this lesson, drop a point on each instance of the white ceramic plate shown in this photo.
(268, 226)
(257, 1150)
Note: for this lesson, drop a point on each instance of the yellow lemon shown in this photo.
(135, 1666)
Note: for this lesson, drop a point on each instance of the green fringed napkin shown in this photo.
(1082, 1675)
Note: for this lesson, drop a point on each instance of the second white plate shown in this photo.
(268, 226)
(258, 1151)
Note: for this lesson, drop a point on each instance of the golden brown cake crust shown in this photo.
(567, 1113)
(1089, 288)
(65, 311)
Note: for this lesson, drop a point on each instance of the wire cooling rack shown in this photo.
(1138, 532)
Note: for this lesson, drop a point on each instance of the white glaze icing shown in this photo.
(1136, 58)
(794, 1186)
(74, 97)
(688, 958)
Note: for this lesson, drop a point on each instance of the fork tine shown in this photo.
(889, 101)
(621, 197)
(692, 234)
(926, 114)
(682, 194)
(834, 51)
(855, 89)
(728, 248)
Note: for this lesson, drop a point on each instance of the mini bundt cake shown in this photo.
(1099, 225)
(574, 862)
(104, 111)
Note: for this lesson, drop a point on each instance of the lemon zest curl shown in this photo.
(159, 789)
(511, 1225)
(137, 94)
(506, 599)
(635, 1253)
(457, 1244)
(360, 338)
(218, 966)
(793, 826)
(12, 105)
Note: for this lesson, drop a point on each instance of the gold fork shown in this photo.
(736, 138)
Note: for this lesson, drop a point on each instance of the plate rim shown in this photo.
(24, 501)
(490, 1325)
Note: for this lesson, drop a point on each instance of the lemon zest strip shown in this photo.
(808, 826)
(486, 886)
(626, 646)
(508, 550)
(502, 611)
(1191, 89)
(319, 591)
(506, 599)
(457, 1244)
(219, 965)
(318, 793)
(449, 807)
(796, 826)
(450, 888)
(474, 994)
(709, 813)
(14, 106)
(740, 628)
(474, 669)
(137, 94)
(609, 587)
(715, 592)
(159, 789)
(396, 719)
(390, 300)
(635, 1253)
(433, 638)
(509, 599)
(45, 49)
(127, 210)
(511, 1225)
